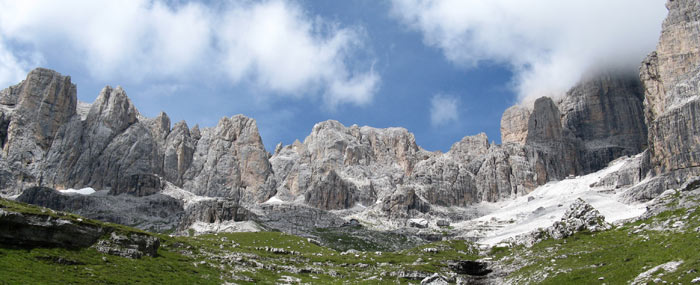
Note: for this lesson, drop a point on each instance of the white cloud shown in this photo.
(273, 44)
(13, 68)
(443, 110)
(284, 50)
(550, 44)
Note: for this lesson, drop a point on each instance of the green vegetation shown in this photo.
(618, 255)
(243, 258)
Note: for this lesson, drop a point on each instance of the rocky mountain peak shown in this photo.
(45, 100)
(544, 124)
(470, 147)
(113, 109)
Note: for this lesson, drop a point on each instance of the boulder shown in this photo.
(579, 217)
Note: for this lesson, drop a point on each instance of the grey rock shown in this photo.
(230, 161)
(214, 211)
(34, 111)
(445, 182)
(605, 114)
(295, 219)
(32, 230)
(331, 192)
(435, 279)
(130, 245)
(404, 203)
(153, 213)
(633, 172)
(178, 153)
(580, 216)
(671, 75)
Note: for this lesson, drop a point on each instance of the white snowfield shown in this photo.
(274, 200)
(546, 205)
(83, 191)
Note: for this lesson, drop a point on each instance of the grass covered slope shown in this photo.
(660, 248)
(263, 257)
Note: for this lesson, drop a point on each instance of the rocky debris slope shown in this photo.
(28, 226)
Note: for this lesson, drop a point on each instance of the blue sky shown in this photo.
(441, 69)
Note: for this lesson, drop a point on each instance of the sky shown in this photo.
(441, 69)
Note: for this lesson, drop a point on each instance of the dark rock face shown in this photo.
(597, 121)
(403, 202)
(53, 230)
(605, 115)
(138, 185)
(544, 125)
(154, 213)
(330, 192)
(469, 267)
(44, 230)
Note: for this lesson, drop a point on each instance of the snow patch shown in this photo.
(83, 191)
(546, 205)
(186, 196)
(274, 200)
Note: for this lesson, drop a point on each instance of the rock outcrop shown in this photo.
(35, 227)
(579, 217)
(130, 245)
(33, 230)
(154, 213)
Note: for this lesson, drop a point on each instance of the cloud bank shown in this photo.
(443, 110)
(549, 44)
(275, 45)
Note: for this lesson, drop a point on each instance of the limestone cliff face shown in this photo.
(367, 162)
(605, 114)
(676, 57)
(514, 124)
(671, 77)
(32, 113)
(595, 122)
(230, 161)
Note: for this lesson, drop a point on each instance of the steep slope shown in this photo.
(671, 76)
